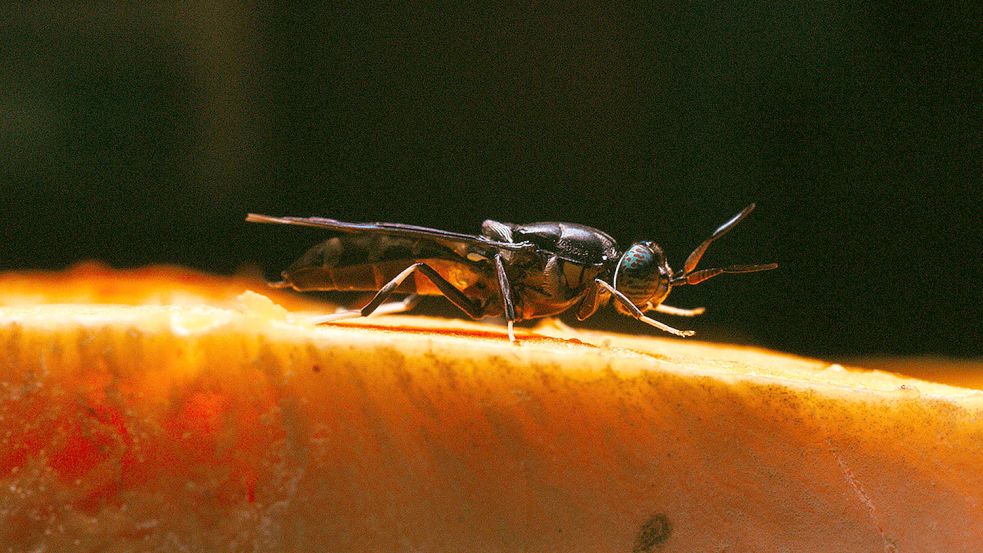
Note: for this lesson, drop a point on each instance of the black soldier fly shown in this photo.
(519, 271)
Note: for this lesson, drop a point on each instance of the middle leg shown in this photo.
(505, 289)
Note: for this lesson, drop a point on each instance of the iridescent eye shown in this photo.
(640, 273)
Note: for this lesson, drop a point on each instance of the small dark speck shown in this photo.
(316, 368)
(654, 532)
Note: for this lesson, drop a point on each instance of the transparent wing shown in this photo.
(467, 241)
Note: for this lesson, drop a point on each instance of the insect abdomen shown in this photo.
(367, 263)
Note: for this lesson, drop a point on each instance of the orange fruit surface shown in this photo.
(164, 410)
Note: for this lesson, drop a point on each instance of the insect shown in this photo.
(520, 272)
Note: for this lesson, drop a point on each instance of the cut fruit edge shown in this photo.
(587, 349)
(184, 302)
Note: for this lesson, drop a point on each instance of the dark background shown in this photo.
(140, 136)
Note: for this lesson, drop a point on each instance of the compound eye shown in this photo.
(639, 274)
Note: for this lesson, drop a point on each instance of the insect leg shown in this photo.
(406, 304)
(637, 313)
(594, 299)
(670, 310)
(455, 296)
(505, 288)
(390, 308)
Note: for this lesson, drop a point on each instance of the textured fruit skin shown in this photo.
(195, 428)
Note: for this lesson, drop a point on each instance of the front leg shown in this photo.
(670, 310)
(594, 299)
(637, 313)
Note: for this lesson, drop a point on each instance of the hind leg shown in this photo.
(454, 295)
(389, 308)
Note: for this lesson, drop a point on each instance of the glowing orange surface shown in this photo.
(225, 422)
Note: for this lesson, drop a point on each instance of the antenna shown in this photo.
(691, 276)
